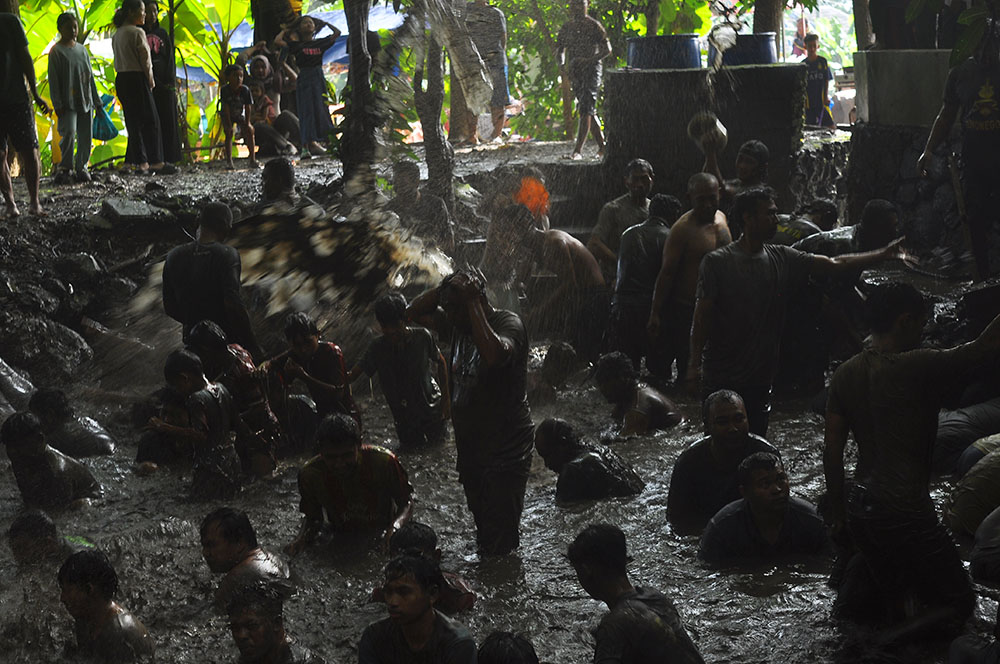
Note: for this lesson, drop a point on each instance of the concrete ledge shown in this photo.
(902, 88)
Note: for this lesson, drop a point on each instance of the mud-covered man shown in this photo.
(618, 215)
(639, 408)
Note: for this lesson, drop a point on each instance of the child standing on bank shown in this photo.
(74, 97)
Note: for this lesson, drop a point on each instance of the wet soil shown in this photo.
(150, 529)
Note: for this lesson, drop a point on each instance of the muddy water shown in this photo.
(150, 531)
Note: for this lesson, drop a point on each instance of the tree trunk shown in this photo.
(567, 91)
(361, 118)
(652, 18)
(863, 24)
(767, 15)
(438, 152)
(268, 17)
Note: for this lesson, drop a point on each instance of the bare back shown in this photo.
(570, 260)
(695, 240)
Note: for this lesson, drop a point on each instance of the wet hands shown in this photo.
(294, 369)
(157, 424)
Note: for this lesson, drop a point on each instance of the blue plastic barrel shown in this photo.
(664, 52)
(754, 49)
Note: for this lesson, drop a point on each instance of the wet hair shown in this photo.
(827, 211)
(390, 309)
(282, 170)
(756, 150)
(299, 324)
(533, 172)
(65, 18)
(406, 169)
(716, 397)
(875, 221)
(757, 461)
(600, 544)
(889, 301)
(338, 430)
(876, 210)
(426, 571)
(639, 165)
(232, 68)
(181, 362)
(472, 275)
(216, 217)
(90, 567)
(262, 598)
(699, 178)
(616, 365)
(127, 9)
(48, 401)
(33, 523)
(748, 201)
(559, 431)
(20, 428)
(506, 648)
(811, 37)
(207, 334)
(413, 537)
(559, 363)
(515, 217)
(234, 525)
(665, 206)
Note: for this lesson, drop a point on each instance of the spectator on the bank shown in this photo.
(72, 435)
(269, 141)
(236, 107)
(46, 477)
(586, 471)
(818, 77)
(639, 408)
(412, 373)
(105, 631)
(487, 27)
(165, 76)
(623, 212)
(74, 98)
(18, 129)
(584, 43)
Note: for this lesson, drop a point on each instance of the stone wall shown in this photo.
(819, 170)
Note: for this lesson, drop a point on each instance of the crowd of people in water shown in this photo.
(728, 302)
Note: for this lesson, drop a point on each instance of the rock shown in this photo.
(49, 349)
(944, 199)
(155, 186)
(15, 387)
(36, 298)
(75, 266)
(129, 211)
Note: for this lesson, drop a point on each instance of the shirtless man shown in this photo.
(638, 407)
(751, 171)
(699, 231)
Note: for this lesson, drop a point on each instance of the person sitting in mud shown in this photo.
(318, 364)
(257, 623)
(35, 542)
(622, 213)
(412, 373)
(957, 446)
(415, 631)
(819, 216)
(560, 364)
(767, 524)
(158, 446)
(975, 496)
(201, 280)
(972, 649)
(416, 538)
(878, 227)
(639, 257)
(424, 213)
(506, 648)
(72, 435)
(47, 478)
(212, 418)
(232, 366)
(277, 182)
(362, 489)
(984, 559)
(638, 407)
(586, 471)
(229, 546)
(706, 476)
(751, 172)
(105, 631)
(643, 625)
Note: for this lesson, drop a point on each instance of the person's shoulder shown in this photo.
(802, 507)
(379, 630)
(694, 452)
(313, 468)
(453, 631)
(728, 514)
(509, 320)
(377, 452)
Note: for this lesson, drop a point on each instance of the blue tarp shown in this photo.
(380, 18)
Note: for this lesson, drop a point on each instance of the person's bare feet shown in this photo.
(12, 210)
(576, 156)
(35, 209)
(316, 148)
(600, 153)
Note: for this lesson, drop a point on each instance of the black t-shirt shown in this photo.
(975, 90)
(699, 487)
(164, 71)
(818, 77)
(793, 229)
(643, 626)
(581, 38)
(197, 278)
(732, 537)
(488, 29)
(595, 474)
(13, 90)
(490, 405)
(640, 254)
(236, 101)
(407, 376)
(310, 53)
(383, 642)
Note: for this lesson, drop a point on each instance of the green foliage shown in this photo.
(839, 40)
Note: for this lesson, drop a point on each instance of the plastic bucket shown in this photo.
(754, 49)
(665, 52)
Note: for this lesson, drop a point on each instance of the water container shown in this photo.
(665, 52)
(754, 49)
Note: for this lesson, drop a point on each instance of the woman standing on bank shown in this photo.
(134, 84)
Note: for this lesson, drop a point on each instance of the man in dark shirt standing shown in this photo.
(643, 625)
(889, 397)
(620, 214)
(818, 79)
(706, 475)
(584, 43)
(489, 405)
(743, 291)
(201, 280)
(161, 53)
(766, 524)
(971, 89)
